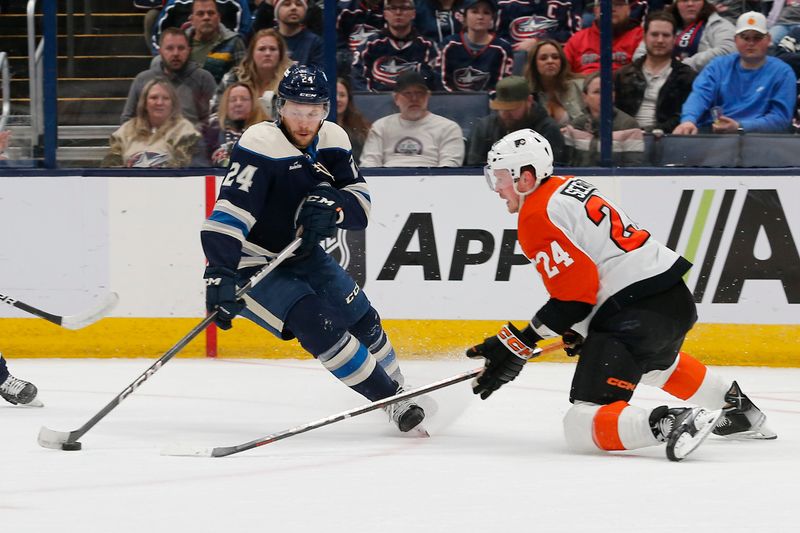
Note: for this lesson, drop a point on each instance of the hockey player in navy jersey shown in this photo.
(476, 59)
(296, 176)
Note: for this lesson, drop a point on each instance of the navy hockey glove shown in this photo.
(320, 213)
(573, 342)
(221, 295)
(505, 353)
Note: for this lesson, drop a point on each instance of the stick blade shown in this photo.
(49, 438)
(92, 315)
(186, 450)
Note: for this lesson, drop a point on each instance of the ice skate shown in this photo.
(741, 419)
(690, 427)
(406, 414)
(18, 391)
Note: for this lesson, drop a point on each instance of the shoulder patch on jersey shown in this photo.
(331, 135)
(579, 189)
(267, 140)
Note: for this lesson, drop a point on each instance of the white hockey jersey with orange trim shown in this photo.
(588, 250)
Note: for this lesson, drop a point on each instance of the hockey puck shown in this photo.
(71, 446)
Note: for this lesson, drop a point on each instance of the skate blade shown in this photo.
(763, 433)
(418, 432)
(687, 443)
(36, 402)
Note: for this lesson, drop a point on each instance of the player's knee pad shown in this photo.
(690, 380)
(311, 321)
(616, 426)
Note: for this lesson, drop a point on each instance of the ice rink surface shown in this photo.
(490, 466)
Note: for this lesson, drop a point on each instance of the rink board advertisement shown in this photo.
(439, 260)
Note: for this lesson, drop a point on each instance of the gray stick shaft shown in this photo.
(257, 277)
(230, 450)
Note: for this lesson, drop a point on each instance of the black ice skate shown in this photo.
(18, 391)
(741, 419)
(406, 414)
(690, 428)
(662, 420)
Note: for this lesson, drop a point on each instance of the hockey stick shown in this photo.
(222, 451)
(78, 321)
(68, 440)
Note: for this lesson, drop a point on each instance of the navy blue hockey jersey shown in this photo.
(268, 178)
(382, 59)
(357, 22)
(464, 69)
(524, 19)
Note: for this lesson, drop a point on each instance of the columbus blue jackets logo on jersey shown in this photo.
(470, 79)
(360, 35)
(532, 26)
(147, 160)
(386, 69)
(408, 146)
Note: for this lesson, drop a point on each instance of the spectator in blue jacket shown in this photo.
(744, 92)
(305, 46)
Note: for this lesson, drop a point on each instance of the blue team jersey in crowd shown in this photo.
(519, 20)
(382, 59)
(464, 69)
(268, 178)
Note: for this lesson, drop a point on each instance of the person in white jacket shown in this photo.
(414, 137)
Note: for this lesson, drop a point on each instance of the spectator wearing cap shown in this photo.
(214, 47)
(396, 49)
(653, 88)
(305, 46)
(749, 91)
(414, 137)
(513, 108)
(583, 48)
(476, 59)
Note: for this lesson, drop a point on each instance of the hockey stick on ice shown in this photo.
(222, 451)
(68, 440)
(78, 321)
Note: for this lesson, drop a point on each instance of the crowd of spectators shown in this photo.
(681, 67)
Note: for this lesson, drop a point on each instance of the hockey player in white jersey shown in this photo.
(296, 176)
(618, 299)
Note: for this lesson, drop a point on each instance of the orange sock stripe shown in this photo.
(687, 377)
(605, 432)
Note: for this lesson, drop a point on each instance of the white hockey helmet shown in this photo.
(515, 153)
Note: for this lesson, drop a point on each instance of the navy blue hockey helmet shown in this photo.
(305, 84)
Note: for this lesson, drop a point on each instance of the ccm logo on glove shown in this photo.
(512, 342)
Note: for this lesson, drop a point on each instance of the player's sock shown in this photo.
(690, 380)
(321, 334)
(351, 362)
(370, 332)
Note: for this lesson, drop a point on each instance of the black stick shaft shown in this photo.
(55, 319)
(78, 433)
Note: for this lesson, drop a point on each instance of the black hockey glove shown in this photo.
(505, 353)
(320, 213)
(573, 342)
(221, 295)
